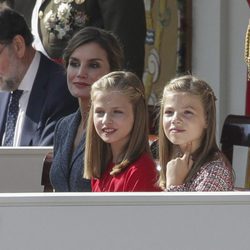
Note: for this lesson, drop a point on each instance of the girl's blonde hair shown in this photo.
(205, 152)
(98, 153)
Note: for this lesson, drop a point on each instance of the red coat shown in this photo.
(140, 176)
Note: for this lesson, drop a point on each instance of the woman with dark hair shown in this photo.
(90, 54)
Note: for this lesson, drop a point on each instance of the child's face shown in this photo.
(113, 118)
(184, 120)
(87, 64)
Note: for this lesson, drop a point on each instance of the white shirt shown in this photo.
(25, 85)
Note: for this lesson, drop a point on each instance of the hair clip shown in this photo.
(211, 93)
(139, 91)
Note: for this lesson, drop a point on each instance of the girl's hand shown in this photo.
(178, 169)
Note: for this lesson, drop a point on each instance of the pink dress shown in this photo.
(216, 175)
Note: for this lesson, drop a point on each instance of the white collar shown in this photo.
(29, 77)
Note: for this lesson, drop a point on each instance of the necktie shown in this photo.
(12, 114)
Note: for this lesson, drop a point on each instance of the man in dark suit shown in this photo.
(125, 18)
(45, 97)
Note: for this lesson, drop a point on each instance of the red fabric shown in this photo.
(58, 60)
(140, 176)
(248, 2)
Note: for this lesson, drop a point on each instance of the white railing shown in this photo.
(21, 168)
(125, 221)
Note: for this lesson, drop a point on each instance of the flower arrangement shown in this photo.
(63, 22)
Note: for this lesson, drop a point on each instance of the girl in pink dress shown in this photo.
(189, 157)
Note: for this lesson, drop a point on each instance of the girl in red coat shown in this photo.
(117, 156)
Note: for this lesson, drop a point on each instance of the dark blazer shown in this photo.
(49, 100)
(125, 18)
(67, 166)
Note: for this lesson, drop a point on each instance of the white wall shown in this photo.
(136, 221)
(21, 168)
(219, 29)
